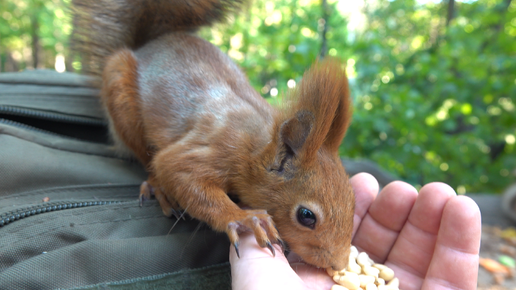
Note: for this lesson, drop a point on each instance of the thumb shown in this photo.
(258, 269)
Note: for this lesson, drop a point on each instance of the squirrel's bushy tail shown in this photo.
(103, 26)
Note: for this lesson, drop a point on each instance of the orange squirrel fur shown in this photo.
(189, 114)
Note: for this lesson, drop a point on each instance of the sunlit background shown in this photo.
(433, 82)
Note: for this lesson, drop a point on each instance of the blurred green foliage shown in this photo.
(434, 85)
(276, 41)
(437, 101)
(32, 33)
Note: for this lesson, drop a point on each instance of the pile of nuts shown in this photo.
(363, 273)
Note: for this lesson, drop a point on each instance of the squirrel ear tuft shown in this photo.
(320, 110)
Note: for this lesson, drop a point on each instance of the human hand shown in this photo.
(431, 240)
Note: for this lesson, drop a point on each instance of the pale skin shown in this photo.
(431, 240)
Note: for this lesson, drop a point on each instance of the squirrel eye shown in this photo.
(306, 217)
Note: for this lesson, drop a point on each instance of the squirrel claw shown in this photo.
(281, 243)
(269, 245)
(236, 249)
(146, 192)
(257, 222)
(175, 213)
(168, 206)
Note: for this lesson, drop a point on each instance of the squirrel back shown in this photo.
(103, 26)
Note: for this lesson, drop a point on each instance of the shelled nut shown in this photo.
(363, 273)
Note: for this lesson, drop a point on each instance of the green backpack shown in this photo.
(69, 210)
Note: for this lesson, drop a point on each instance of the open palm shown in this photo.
(431, 240)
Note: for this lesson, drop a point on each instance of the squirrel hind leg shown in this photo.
(168, 205)
(120, 97)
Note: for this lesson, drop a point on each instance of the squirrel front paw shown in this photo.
(260, 223)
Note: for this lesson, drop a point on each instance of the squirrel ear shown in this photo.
(292, 137)
(323, 94)
(296, 130)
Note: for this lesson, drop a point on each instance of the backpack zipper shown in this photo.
(12, 216)
(24, 112)
(30, 128)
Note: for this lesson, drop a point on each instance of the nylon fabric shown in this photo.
(89, 245)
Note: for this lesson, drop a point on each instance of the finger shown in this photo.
(385, 218)
(313, 277)
(455, 261)
(257, 269)
(250, 250)
(414, 248)
(366, 189)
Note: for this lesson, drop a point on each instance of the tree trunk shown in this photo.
(35, 40)
(325, 16)
(69, 60)
(451, 12)
(11, 65)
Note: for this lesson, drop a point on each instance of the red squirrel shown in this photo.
(190, 116)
